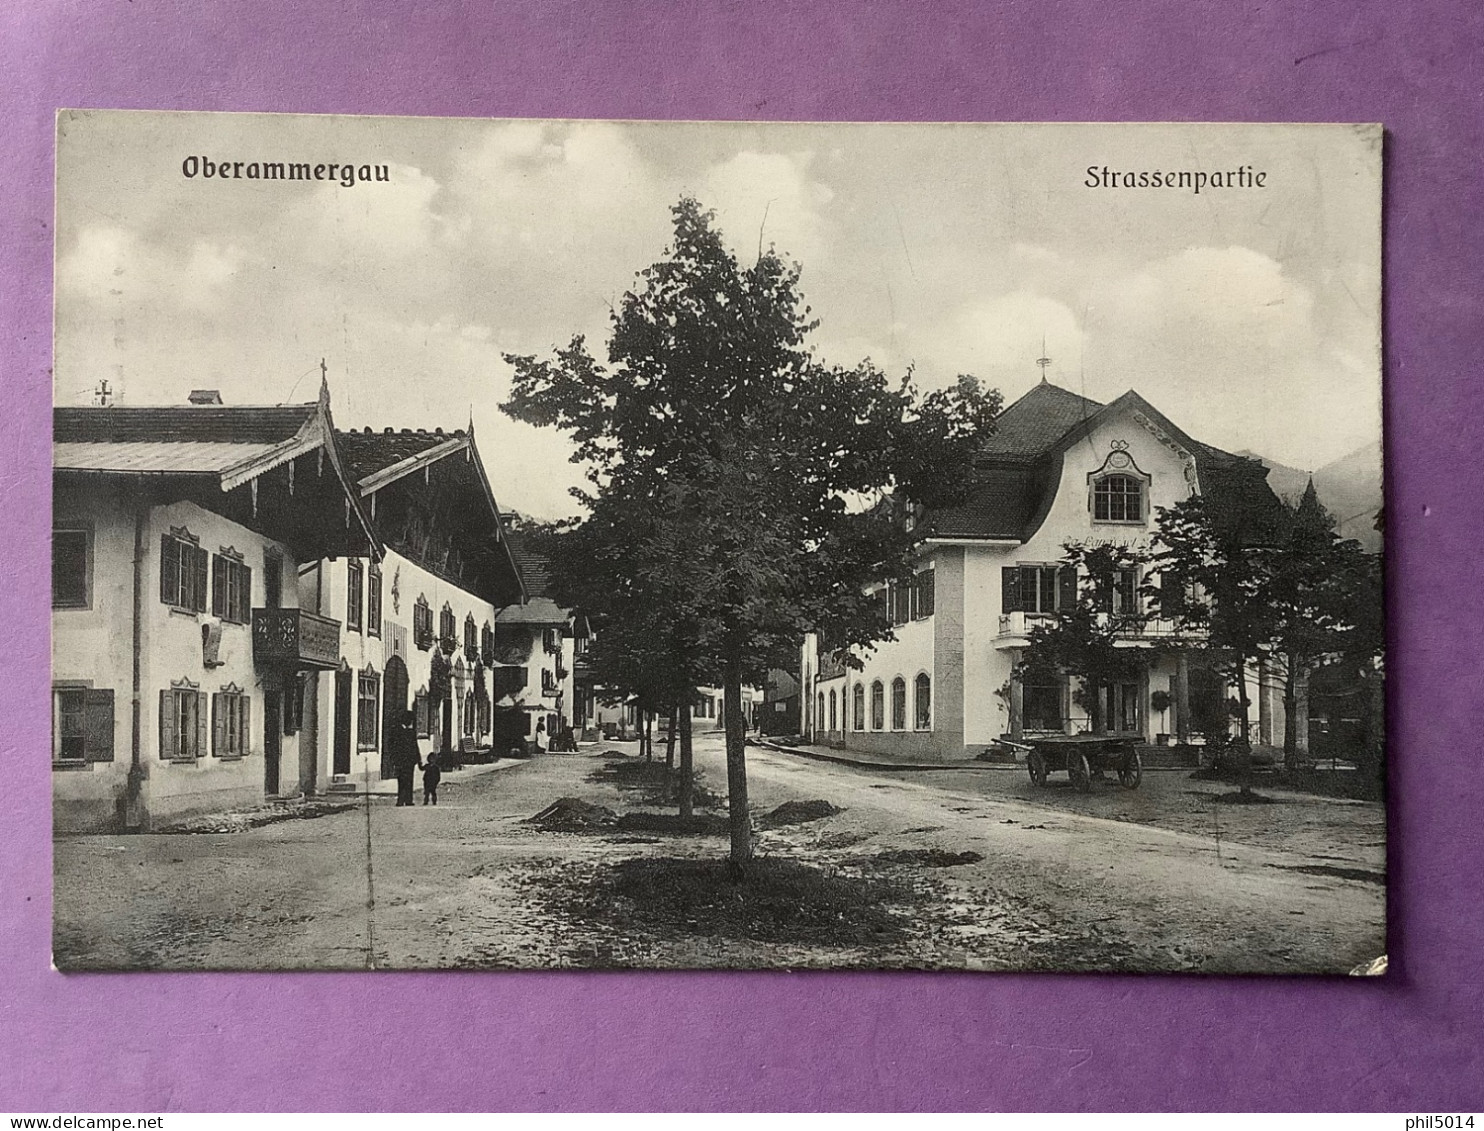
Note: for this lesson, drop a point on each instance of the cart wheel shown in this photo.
(1037, 766)
(1130, 770)
(1078, 771)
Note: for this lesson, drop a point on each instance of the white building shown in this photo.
(1059, 469)
(182, 650)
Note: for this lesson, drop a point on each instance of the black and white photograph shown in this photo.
(736, 545)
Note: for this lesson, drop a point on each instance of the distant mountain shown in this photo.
(1349, 488)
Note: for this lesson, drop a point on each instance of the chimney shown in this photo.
(205, 396)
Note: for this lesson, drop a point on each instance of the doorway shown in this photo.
(272, 741)
(344, 700)
(394, 684)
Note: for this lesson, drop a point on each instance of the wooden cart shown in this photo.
(1083, 756)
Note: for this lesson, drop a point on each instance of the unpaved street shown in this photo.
(1106, 880)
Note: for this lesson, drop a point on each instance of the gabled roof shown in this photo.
(1032, 425)
(536, 611)
(533, 566)
(1019, 469)
(211, 445)
(379, 459)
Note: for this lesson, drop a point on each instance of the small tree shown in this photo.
(716, 432)
(1099, 607)
(1215, 581)
(1324, 603)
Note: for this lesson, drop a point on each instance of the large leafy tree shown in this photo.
(1217, 581)
(1096, 611)
(739, 487)
(1326, 604)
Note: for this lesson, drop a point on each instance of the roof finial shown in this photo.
(1043, 361)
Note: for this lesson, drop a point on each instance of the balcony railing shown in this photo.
(295, 638)
(1015, 629)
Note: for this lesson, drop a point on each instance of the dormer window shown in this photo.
(1118, 498)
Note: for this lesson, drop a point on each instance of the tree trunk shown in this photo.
(646, 721)
(670, 739)
(687, 764)
(1244, 755)
(739, 815)
(1095, 705)
(1290, 713)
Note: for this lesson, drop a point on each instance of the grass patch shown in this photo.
(241, 820)
(774, 901)
(1237, 797)
(926, 857)
(652, 781)
(702, 824)
(797, 813)
(1365, 875)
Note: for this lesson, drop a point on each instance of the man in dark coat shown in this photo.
(406, 758)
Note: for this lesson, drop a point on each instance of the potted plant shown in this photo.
(1160, 701)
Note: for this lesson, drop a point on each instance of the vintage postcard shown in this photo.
(735, 545)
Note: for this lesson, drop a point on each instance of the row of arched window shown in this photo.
(829, 709)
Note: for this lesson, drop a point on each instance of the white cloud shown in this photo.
(772, 195)
(112, 266)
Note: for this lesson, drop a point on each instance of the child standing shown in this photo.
(432, 774)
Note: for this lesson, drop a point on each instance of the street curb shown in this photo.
(906, 767)
(911, 767)
(388, 788)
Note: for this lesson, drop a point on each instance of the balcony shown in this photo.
(1015, 630)
(296, 639)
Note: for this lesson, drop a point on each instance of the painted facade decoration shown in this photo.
(417, 628)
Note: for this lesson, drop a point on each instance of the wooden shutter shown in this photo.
(169, 569)
(201, 724)
(927, 582)
(218, 726)
(167, 724)
(1066, 580)
(218, 586)
(97, 743)
(201, 556)
(1010, 589)
(244, 611)
(244, 726)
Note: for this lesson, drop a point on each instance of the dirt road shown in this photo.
(473, 884)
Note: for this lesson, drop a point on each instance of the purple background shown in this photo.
(782, 1041)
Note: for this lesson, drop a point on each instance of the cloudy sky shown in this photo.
(1250, 317)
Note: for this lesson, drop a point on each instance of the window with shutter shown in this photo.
(98, 724)
(184, 723)
(183, 571)
(353, 585)
(72, 567)
(69, 724)
(1010, 589)
(373, 600)
(229, 722)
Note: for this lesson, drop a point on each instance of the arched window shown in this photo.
(859, 706)
(469, 714)
(923, 714)
(899, 704)
(487, 644)
(878, 705)
(819, 712)
(832, 709)
(1118, 498)
(471, 639)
